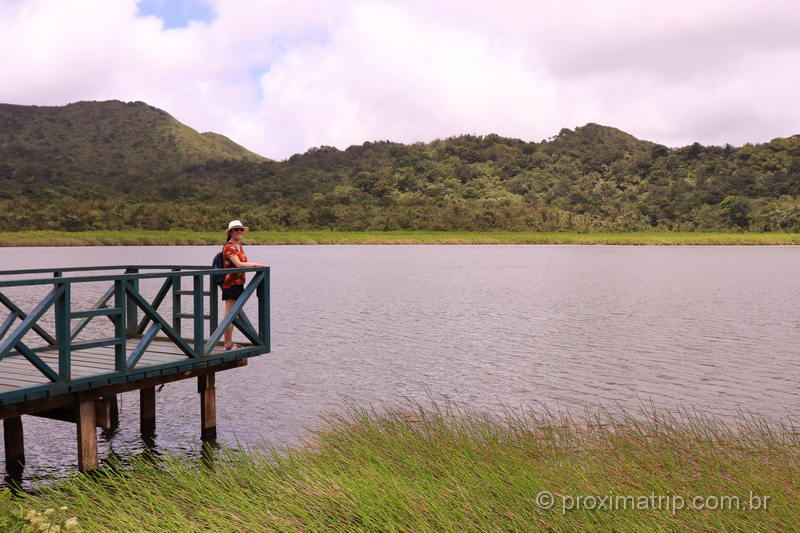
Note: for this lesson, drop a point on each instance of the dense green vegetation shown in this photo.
(453, 470)
(109, 165)
(187, 237)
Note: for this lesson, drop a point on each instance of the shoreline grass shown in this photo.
(193, 238)
(455, 470)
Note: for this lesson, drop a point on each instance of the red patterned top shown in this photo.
(235, 278)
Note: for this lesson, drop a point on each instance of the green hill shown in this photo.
(112, 165)
(105, 139)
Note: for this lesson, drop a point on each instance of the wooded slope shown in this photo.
(112, 165)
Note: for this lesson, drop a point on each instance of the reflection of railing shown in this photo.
(136, 324)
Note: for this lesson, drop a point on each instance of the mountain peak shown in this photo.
(592, 136)
(92, 137)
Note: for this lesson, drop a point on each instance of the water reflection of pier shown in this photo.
(76, 373)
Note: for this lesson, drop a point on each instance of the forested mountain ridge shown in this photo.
(95, 139)
(106, 169)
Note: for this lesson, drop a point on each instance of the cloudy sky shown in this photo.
(281, 76)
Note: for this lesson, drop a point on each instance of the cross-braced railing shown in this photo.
(136, 320)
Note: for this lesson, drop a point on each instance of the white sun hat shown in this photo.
(236, 224)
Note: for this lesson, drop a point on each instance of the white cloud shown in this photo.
(281, 76)
(386, 74)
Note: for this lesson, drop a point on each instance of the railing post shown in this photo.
(63, 326)
(132, 314)
(199, 320)
(176, 302)
(263, 309)
(120, 352)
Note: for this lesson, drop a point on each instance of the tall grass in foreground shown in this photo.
(441, 470)
(184, 237)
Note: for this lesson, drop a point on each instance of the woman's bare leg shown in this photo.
(229, 331)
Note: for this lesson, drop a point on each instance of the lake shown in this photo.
(716, 329)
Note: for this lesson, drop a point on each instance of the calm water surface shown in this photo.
(710, 328)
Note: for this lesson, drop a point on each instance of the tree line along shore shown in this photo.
(118, 166)
(194, 238)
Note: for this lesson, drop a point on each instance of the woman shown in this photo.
(233, 256)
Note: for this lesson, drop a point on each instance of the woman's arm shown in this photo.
(237, 263)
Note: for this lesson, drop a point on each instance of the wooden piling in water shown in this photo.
(14, 446)
(113, 410)
(106, 412)
(208, 407)
(147, 411)
(86, 416)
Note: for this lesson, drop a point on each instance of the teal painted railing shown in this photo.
(136, 321)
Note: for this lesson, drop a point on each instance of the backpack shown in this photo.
(218, 279)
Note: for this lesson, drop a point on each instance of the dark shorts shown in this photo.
(233, 293)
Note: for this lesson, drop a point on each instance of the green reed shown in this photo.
(447, 468)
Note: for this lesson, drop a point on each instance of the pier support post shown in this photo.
(86, 416)
(208, 407)
(113, 410)
(107, 412)
(15, 447)
(147, 411)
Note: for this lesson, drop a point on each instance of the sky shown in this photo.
(282, 76)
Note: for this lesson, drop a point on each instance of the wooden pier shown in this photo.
(66, 376)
